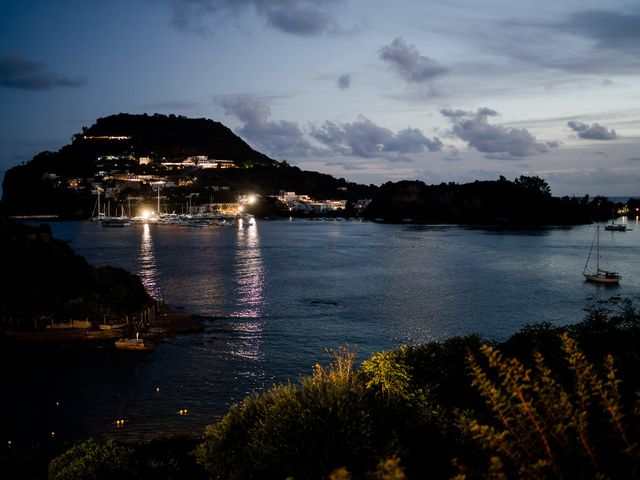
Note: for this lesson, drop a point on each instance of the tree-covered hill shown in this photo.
(44, 277)
(45, 185)
(166, 136)
(524, 201)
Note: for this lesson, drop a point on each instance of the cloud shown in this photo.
(611, 29)
(344, 82)
(344, 165)
(276, 138)
(593, 131)
(17, 71)
(364, 138)
(496, 141)
(408, 62)
(453, 154)
(296, 17)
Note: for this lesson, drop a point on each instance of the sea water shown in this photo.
(275, 295)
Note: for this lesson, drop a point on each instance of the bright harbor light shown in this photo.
(146, 214)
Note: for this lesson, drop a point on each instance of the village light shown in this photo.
(252, 199)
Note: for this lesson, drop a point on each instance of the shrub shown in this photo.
(543, 429)
(93, 460)
(303, 431)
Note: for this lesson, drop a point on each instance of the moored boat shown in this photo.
(138, 344)
(616, 227)
(115, 222)
(599, 276)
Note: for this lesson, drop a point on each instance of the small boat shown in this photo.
(134, 344)
(600, 275)
(616, 227)
(115, 222)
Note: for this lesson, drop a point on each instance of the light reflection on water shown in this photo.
(147, 264)
(248, 278)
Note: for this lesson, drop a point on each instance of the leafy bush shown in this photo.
(543, 429)
(166, 458)
(93, 460)
(304, 431)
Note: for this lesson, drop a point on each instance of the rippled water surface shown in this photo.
(273, 295)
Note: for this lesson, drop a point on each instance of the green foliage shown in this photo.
(540, 428)
(93, 460)
(165, 458)
(304, 431)
(387, 372)
(336, 420)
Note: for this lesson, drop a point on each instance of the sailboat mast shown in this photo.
(598, 249)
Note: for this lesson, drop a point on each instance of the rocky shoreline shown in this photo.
(167, 323)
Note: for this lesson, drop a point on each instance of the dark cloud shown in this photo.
(586, 41)
(364, 138)
(408, 62)
(17, 71)
(611, 29)
(496, 141)
(344, 82)
(297, 17)
(275, 138)
(593, 131)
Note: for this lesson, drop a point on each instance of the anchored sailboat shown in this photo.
(600, 276)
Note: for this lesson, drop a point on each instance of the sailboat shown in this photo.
(615, 227)
(600, 276)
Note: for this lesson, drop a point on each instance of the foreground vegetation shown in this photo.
(550, 402)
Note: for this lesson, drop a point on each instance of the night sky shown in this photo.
(363, 89)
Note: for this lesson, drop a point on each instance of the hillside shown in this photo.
(64, 182)
(165, 136)
(47, 278)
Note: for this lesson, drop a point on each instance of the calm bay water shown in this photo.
(274, 295)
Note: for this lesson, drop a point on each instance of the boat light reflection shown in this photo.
(146, 259)
(249, 292)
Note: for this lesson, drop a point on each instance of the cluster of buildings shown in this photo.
(307, 205)
(130, 179)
